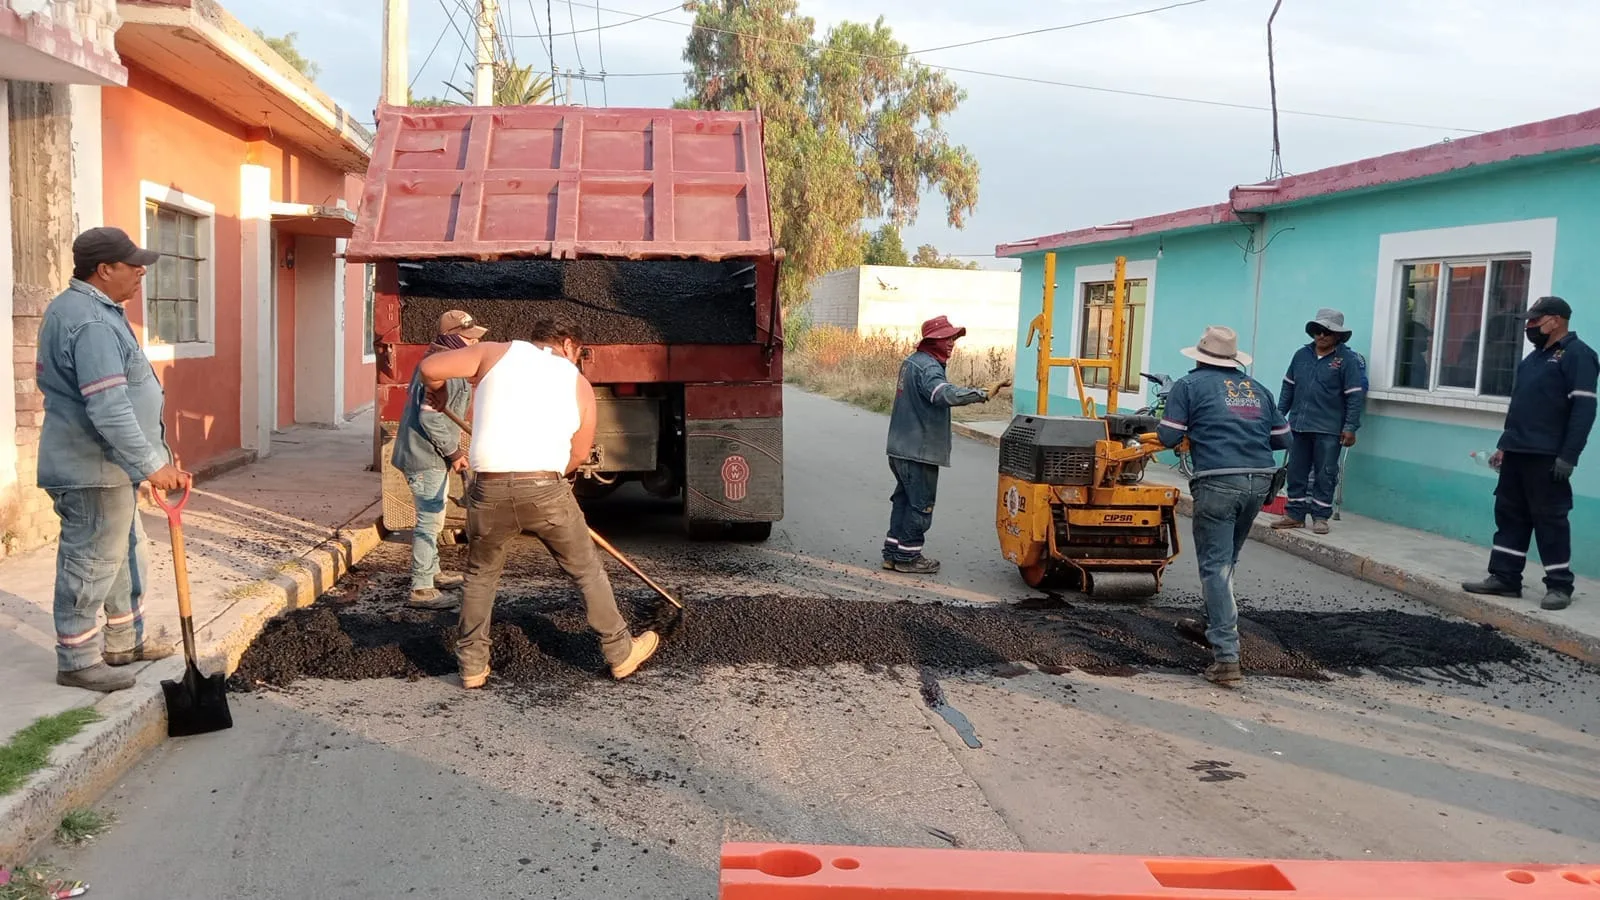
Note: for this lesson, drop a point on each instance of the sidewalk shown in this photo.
(271, 535)
(1425, 566)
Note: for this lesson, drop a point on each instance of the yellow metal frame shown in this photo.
(1043, 326)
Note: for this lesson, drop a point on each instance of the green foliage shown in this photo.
(514, 85)
(929, 256)
(284, 47)
(80, 826)
(885, 248)
(854, 126)
(28, 751)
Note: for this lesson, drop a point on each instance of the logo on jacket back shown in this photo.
(735, 478)
(1241, 398)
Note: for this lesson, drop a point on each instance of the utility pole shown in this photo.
(483, 81)
(394, 89)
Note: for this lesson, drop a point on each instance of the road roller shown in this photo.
(1072, 512)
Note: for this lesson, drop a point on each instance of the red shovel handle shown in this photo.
(174, 511)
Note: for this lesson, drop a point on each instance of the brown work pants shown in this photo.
(501, 509)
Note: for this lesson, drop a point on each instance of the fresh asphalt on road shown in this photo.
(388, 788)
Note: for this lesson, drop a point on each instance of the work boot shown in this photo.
(1224, 673)
(1556, 599)
(143, 653)
(429, 598)
(1319, 526)
(1492, 586)
(449, 580)
(888, 565)
(98, 677)
(475, 681)
(644, 647)
(1288, 522)
(922, 565)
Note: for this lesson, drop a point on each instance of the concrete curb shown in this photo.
(135, 721)
(1443, 595)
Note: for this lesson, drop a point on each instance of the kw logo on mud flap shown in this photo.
(735, 478)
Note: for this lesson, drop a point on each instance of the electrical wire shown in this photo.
(572, 22)
(633, 17)
(429, 58)
(600, 48)
(1052, 28)
(538, 36)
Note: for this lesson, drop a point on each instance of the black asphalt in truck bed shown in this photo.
(615, 302)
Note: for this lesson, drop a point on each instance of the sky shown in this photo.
(1055, 157)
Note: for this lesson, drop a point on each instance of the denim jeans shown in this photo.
(1313, 475)
(916, 486)
(1224, 508)
(428, 495)
(101, 564)
(497, 511)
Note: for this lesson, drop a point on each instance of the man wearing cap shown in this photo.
(1323, 393)
(1547, 425)
(102, 438)
(919, 442)
(1233, 427)
(427, 448)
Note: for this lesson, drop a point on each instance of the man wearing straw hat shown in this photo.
(1233, 427)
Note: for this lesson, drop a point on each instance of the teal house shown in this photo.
(1432, 255)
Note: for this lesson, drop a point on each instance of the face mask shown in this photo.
(1535, 336)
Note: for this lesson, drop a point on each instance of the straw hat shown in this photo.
(1219, 346)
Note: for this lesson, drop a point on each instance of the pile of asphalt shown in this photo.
(542, 642)
(615, 302)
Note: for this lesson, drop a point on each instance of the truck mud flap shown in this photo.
(734, 470)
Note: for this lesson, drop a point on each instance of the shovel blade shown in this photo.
(196, 704)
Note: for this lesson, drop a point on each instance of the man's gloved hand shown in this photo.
(1562, 470)
(1347, 439)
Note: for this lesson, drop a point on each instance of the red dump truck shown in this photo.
(647, 227)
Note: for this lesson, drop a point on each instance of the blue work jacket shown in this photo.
(1553, 401)
(919, 423)
(102, 401)
(1230, 419)
(427, 440)
(1324, 394)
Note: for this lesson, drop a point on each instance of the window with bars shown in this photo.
(172, 286)
(1094, 340)
(1460, 328)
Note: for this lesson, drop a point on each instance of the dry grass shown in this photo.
(862, 370)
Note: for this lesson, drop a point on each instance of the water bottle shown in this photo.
(1481, 457)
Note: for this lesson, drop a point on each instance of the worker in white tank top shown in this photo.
(533, 426)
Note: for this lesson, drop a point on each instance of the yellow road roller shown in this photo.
(1072, 511)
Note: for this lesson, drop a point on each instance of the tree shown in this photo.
(514, 85)
(884, 248)
(854, 126)
(928, 256)
(284, 47)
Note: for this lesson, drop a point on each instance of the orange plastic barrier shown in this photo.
(809, 872)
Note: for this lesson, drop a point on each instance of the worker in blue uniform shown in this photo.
(1323, 395)
(1547, 425)
(919, 442)
(1233, 427)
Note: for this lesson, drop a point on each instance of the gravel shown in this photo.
(616, 302)
(542, 643)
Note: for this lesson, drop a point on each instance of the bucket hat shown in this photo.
(1330, 320)
(939, 327)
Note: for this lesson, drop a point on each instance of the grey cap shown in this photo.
(1330, 320)
(109, 245)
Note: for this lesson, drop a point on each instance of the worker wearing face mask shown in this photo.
(1552, 410)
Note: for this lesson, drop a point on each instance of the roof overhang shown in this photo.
(1169, 223)
(314, 221)
(37, 45)
(1552, 139)
(198, 46)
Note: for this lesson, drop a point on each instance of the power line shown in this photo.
(572, 22)
(600, 48)
(633, 17)
(539, 37)
(1052, 28)
(429, 58)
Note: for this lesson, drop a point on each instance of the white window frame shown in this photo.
(369, 299)
(206, 233)
(1534, 239)
(1129, 396)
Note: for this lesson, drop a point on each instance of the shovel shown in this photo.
(666, 621)
(198, 704)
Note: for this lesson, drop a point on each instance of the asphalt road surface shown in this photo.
(388, 788)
